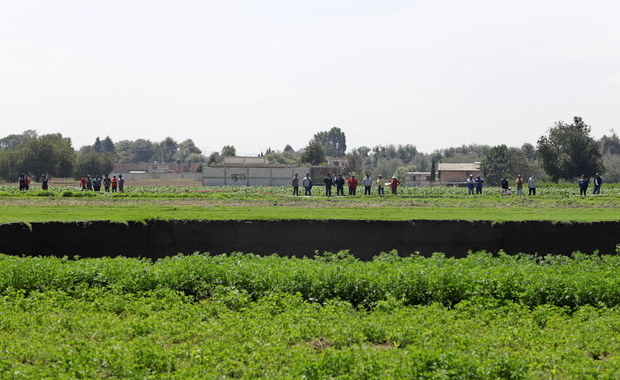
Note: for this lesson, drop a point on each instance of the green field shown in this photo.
(243, 316)
(555, 203)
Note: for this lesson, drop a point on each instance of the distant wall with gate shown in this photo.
(250, 176)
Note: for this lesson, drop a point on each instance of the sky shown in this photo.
(263, 74)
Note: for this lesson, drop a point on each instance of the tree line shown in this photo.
(565, 152)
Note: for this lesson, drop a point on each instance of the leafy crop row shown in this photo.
(545, 191)
(531, 281)
(245, 316)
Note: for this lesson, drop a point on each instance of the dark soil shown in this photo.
(364, 239)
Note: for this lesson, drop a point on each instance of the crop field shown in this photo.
(238, 315)
(246, 316)
(553, 202)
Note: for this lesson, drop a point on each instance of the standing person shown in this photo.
(106, 183)
(44, 181)
(598, 181)
(519, 183)
(97, 183)
(352, 185)
(295, 184)
(340, 185)
(479, 184)
(83, 183)
(380, 185)
(89, 182)
(583, 185)
(531, 184)
(114, 183)
(307, 184)
(367, 181)
(22, 181)
(470, 184)
(328, 185)
(504, 185)
(121, 183)
(27, 182)
(394, 185)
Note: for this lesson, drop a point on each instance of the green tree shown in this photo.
(497, 165)
(229, 151)
(314, 154)
(214, 158)
(12, 142)
(353, 162)
(610, 144)
(289, 148)
(166, 150)
(286, 158)
(142, 150)
(334, 142)
(97, 146)
(569, 151)
(107, 146)
(502, 161)
(51, 154)
(94, 164)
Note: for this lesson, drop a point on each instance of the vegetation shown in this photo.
(559, 202)
(334, 142)
(569, 151)
(314, 153)
(332, 316)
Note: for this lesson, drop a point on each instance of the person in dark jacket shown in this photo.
(598, 181)
(583, 185)
(328, 185)
(295, 183)
(340, 185)
(479, 184)
(504, 185)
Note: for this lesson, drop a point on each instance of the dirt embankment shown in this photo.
(364, 239)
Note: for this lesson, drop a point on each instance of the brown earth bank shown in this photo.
(364, 239)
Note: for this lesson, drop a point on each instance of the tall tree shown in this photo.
(97, 146)
(497, 165)
(610, 144)
(229, 150)
(143, 151)
(51, 154)
(107, 146)
(12, 142)
(187, 148)
(314, 154)
(334, 142)
(569, 151)
(93, 164)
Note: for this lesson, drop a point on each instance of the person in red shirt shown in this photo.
(394, 185)
(83, 183)
(352, 185)
(114, 184)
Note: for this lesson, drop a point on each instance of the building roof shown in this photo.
(458, 167)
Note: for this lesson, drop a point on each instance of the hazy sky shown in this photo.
(259, 74)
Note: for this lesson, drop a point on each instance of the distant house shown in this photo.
(454, 173)
(417, 179)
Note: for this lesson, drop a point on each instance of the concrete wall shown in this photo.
(457, 176)
(150, 175)
(250, 176)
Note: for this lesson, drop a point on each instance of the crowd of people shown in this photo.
(330, 181)
(87, 183)
(531, 182)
